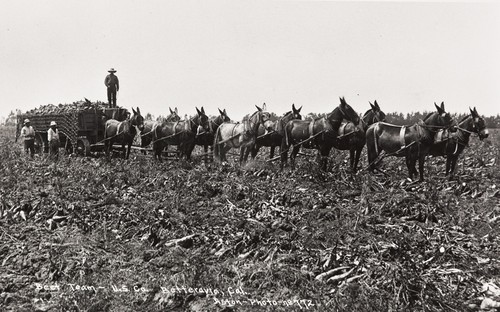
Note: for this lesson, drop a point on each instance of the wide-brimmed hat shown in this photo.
(112, 70)
(53, 123)
(26, 120)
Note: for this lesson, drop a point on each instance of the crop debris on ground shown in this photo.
(86, 234)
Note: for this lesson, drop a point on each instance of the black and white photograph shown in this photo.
(220, 155)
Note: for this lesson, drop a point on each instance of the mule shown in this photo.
(239, 135)
(122, 132)
(273, 137)
(412, 142)
(149, 125)
(207, 139)
(451, 144)
(352, 137)
(180, 133)
(320, 134)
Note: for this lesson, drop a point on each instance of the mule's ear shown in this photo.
(372, 106)
(133, 111)
(176, 111)
(293, 107)
(342, 101)
(171, 112)
(264, 107)
(258, 108)
(203, 110)
(224, 111)
(220, 112)
(376, 105)
(198, 111)
(300, 108)
(474, 112)
(439, 110)
(442, 107)
(138, 111)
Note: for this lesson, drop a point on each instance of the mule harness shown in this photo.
(245, 129)
(172, 135)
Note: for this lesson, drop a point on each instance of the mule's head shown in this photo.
(296, 112)
(137, 119)
(343, 111)
(375, 114)
(440, 119)
(223, 116)
(174, 115)
(261, 116)
(201, 121)
(478, 124)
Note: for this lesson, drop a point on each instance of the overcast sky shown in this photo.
(235, 54)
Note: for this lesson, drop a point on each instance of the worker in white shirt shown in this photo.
(28, 133)
(53, 138)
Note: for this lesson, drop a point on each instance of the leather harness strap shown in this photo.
(118, 128)
(342, 129)
(439, 137)
(175, 127)
(402, 133)
(375, 133)
(311, 128)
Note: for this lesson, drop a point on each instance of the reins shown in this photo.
(279, 122)
(308, 139)
(168, 137)
(467, 131)
(117, 132)
(168, 119)
(190, 122)
(406, 146)
(248, 123)
(300, 143)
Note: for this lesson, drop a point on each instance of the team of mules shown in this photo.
(352, 137)
(122, 132)
(320, 134)
(412, 142)
(451, 144)
(438, 134)
(271, 133)
(180, 133)
(150, 125)
(239, 135)
(207, 139)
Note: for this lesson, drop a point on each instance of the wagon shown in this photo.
(81, 125)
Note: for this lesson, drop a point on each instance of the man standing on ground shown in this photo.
(113, 86)
(53, 138)
(28, 133)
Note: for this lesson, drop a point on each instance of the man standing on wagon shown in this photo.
(113, 86)
(28, 133)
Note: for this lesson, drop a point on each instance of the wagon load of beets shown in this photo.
(75, 107)
(72, 119)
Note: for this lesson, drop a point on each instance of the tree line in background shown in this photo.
(393, 118)
(409, 119)
(412, 118)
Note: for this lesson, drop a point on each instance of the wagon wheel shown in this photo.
(66, 143)
(83, 147)
(40, 145)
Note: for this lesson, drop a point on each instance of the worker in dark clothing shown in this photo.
(113, 86)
